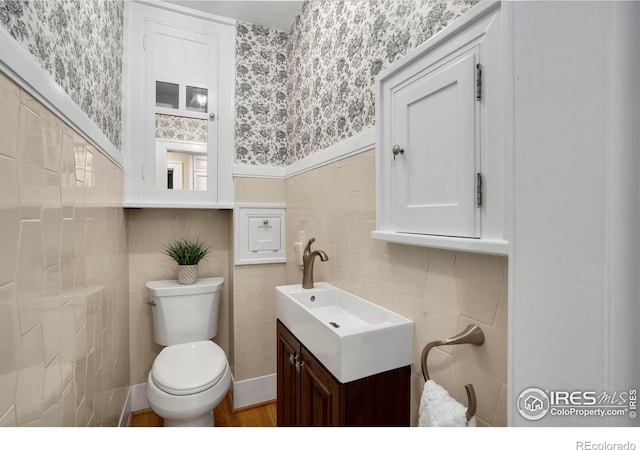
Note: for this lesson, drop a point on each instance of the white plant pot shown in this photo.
(187, 274)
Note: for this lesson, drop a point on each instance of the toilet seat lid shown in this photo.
(189, 368)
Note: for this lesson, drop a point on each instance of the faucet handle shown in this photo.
(308, 246)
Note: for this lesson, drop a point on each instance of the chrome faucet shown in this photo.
(308, 257)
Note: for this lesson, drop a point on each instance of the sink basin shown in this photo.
(351, 336)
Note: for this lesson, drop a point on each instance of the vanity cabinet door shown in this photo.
(320, 393)
(288, 388)
(309, 395)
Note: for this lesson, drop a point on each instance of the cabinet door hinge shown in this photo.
(478, 190)
(142, 171)
(144, 42)
(478, 82)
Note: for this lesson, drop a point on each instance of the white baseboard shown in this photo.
(255, 390)
(136, 400)
(139, 397)
(125, 415)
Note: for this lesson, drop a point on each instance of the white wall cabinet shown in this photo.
(440, 159)
(180, 69)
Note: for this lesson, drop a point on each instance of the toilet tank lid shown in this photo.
(172, 287)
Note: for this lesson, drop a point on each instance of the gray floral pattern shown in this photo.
(336, 49)
(79, 43)
(183, 129)
(261, 108)
(296, 93)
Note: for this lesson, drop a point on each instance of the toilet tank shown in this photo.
(185, 312)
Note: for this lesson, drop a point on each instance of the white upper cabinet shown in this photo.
(179, 79)
(440, 157)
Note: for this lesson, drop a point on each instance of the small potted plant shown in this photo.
(187, 254)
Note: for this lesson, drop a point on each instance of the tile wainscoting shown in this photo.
(64, 305)
(441, 291)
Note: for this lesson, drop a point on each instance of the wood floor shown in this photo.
(259, 416)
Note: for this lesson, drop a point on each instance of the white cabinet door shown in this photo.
(264, 234)
(435, 122)
(179, 63)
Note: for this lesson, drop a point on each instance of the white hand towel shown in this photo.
(439, 409)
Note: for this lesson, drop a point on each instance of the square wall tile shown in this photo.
(30, 275)
(9, 346)
(9, 112)
(30, 383)
(30, 163)
(9, 220)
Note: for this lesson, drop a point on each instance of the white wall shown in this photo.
(574, 268)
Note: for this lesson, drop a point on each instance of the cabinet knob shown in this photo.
(212, 116)
(396, 150)
(265, 221)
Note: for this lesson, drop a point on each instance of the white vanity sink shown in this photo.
(351, 336)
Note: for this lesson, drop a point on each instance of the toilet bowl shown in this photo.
(187, 382)
(191, 375)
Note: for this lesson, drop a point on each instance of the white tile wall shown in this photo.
(442, 291)
(64, 324)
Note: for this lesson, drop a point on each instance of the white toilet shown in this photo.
(191, 375)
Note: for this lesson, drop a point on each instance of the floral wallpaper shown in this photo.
(261, 108)
(336, 49)
(79, 43)
(296, 93)
(183, 129)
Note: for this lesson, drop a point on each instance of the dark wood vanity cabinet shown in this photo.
(309, 395)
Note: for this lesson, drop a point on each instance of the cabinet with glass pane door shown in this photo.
(179, 91)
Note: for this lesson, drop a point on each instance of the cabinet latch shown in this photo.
(478, 82)
(478, 190)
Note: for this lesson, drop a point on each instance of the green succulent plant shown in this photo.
(187, 253)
